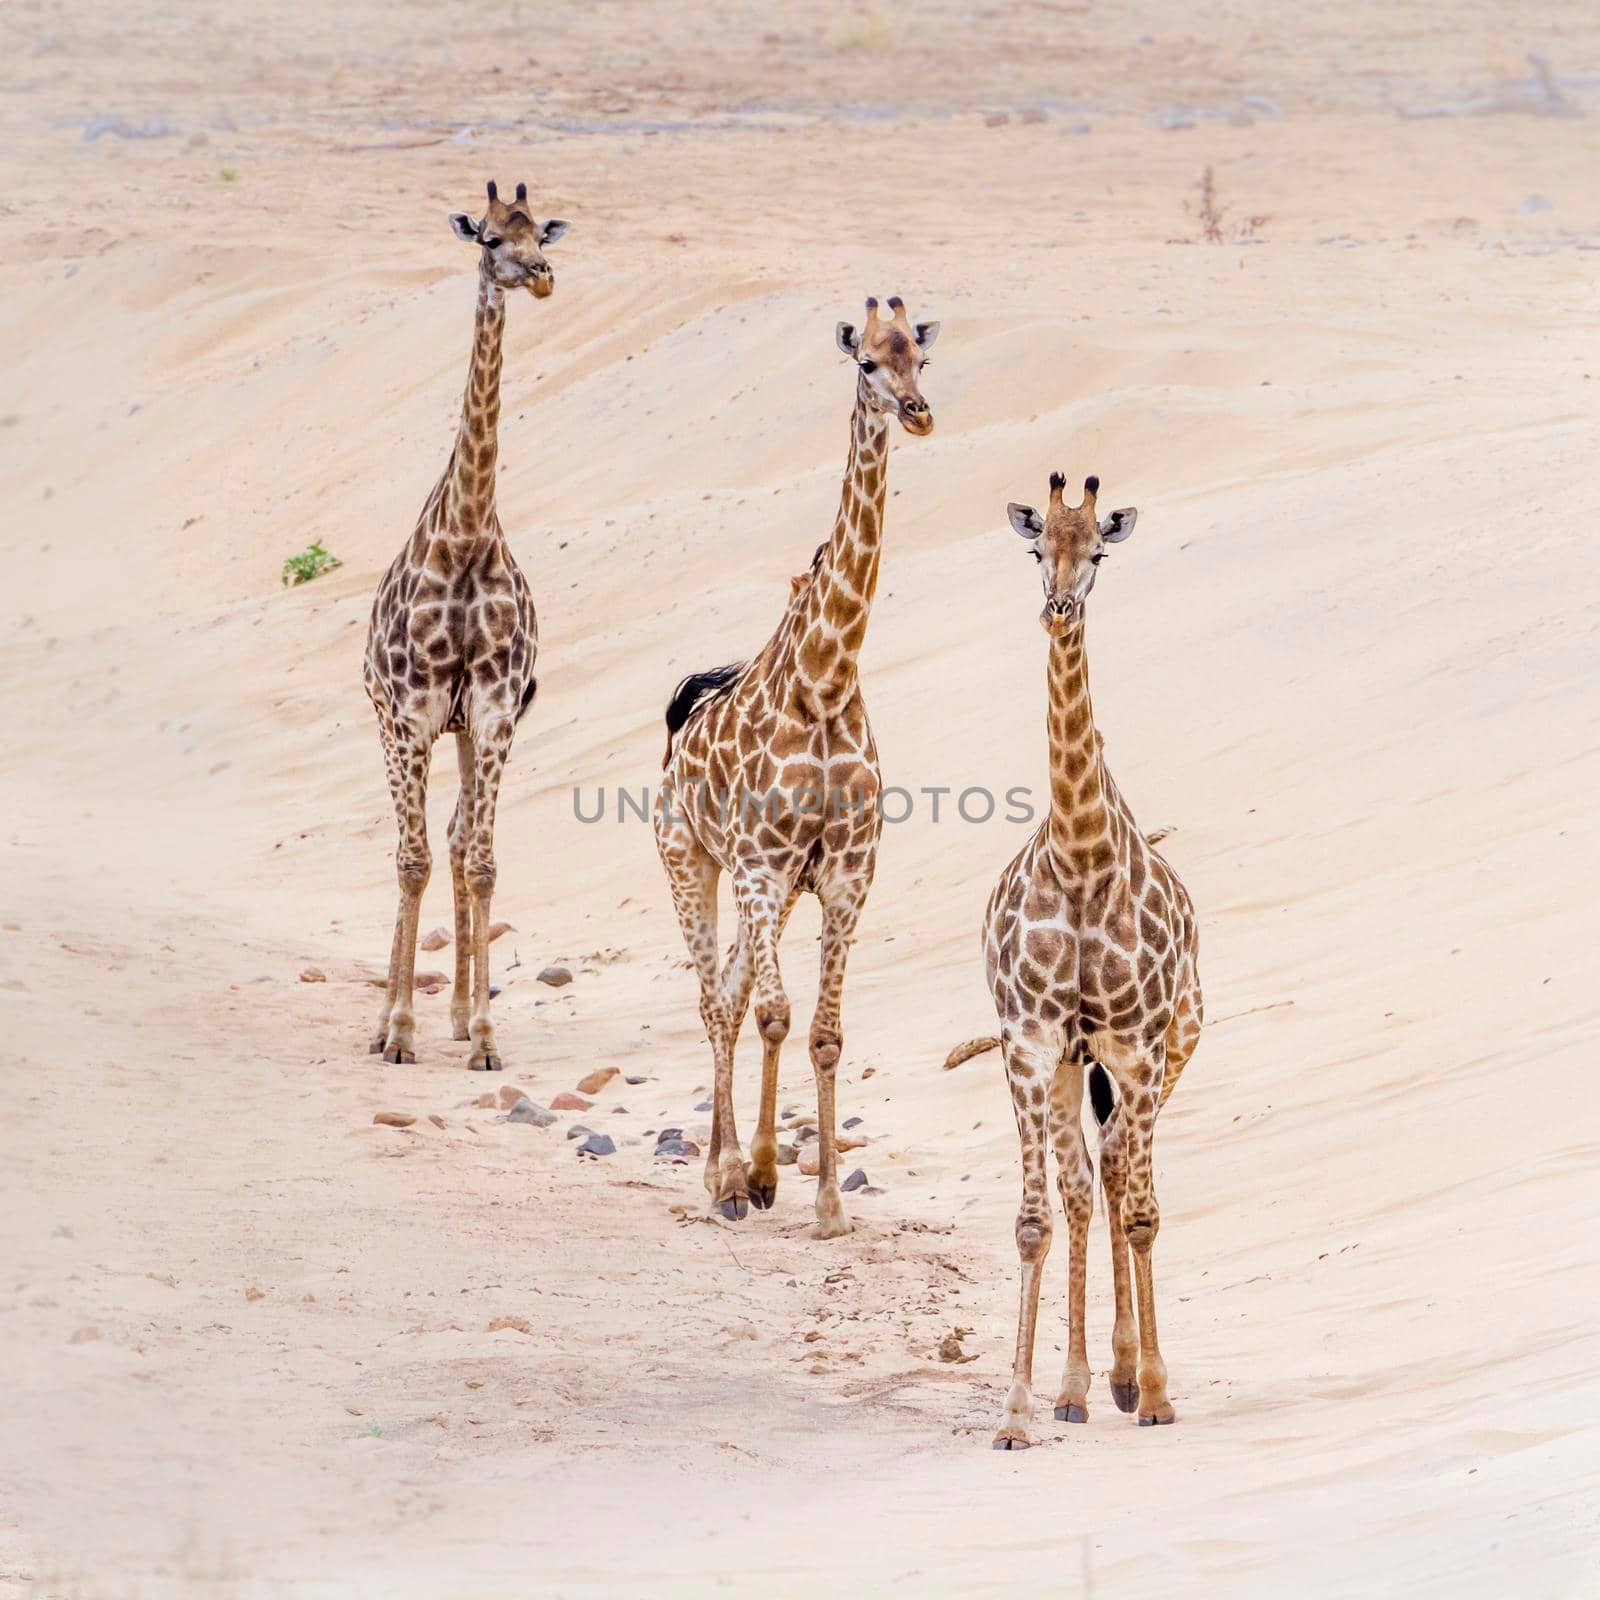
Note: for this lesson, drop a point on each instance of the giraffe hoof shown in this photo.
(1126, 1395)
(1010, 1439)
(1158, 1419)
(396, 1057)
(763, 1191)
(735, 1208)
(375, 1048)
(1071, 1414)
(486, 1064)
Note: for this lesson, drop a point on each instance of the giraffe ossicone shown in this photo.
(451, 649)
(1090, 946)
(790, 724)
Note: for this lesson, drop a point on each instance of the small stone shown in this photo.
(845, 1142)
(432, 980)
(856, 1180)
(434, 939)
(578, 1131)
(619, 1111)
(676, 1150)
(526, 1111)
(486, 1101)
(313, 975)
(84, 1336)
(705, 1105)
(437, 1120)
(868, 1072)
(394, 1119)
(852, 1122)
(636, 1080)
(556, 977)
(515, 1324)
(568, 1101)
(809, 1159)
(507, 1096)
(950, 1348)
(594, 1082)
(669, 1133)
(598, 1144)
(253, 1293)
(499, 929)
(997, 119)
(786, 1155)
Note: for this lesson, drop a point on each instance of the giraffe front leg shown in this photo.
(491, 744)
(1075, 1180)
(1029, 1068)
(761, 902)
(409, 782)
(841, 909)
(761, 1176)
(460, 832)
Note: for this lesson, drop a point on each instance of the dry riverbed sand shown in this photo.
(256, 1340)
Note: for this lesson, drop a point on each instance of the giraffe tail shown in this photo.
(527, 697)
(696, 689)
(970, 1048)
(1100, 1096)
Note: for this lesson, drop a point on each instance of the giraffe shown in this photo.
(451, 649)
(772, 776)
(1091, 948)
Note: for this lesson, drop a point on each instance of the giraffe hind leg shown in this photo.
(408, 782)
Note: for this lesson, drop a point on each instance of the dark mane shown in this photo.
(699, 688)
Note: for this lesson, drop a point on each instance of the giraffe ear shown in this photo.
(464, 226)
(927, 332)
(552, 230)
(1115, 528)
(1025, 520)
(848, 339)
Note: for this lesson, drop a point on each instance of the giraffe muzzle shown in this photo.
(916, 417)
(542, 283)
(1060, 612)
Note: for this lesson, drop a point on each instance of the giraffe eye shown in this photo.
(493, 244)
(869, 365)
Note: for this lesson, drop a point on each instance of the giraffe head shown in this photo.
(890, 353)
(512, 242)
(1069, 543)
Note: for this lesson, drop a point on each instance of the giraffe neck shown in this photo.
(469, 478)
(1080, 828)
(833, 622)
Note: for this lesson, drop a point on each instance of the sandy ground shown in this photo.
(1349, 657)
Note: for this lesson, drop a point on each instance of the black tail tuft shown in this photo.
(1100, 1096)
(697, 688)
(527, 698)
